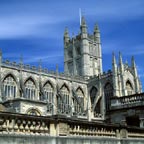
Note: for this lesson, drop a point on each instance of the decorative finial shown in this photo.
(40, 64)
(113, 58)
(80, 15)
(0, 52)
(83, 22)
(57, 68)
(126, 62)
(120, 59)
(21, 59)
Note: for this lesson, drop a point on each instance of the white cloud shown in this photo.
(117, 10)
(42, 58)
(22, 19)
(17, 26)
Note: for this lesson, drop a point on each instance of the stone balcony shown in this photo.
(127, 101)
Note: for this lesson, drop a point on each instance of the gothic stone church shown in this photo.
(83, 91)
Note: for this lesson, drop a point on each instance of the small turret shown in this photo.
(66, 36)
(134, 66)
(114, 65)
(115, 76)
(96, 34)
(120, 62)
(114, 60)
(83, 26)
(136, 79)
(0, 56)
(0, 52)
(121, 71)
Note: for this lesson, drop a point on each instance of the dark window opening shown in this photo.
(133, 121)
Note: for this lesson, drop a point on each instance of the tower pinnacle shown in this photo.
(66, 36)
(97, 33)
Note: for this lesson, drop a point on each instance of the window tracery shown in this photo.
(30, 89)
(108, 92)
(64, 100)
(93, 94)
(48, 96)
(77, 107)
(10, 87)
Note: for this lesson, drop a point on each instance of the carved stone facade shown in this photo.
(83, 91)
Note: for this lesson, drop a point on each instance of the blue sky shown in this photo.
(34, 29)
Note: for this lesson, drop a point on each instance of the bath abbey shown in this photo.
(81, 105)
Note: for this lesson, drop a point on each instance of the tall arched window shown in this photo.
(129, 88)
(65, 94)
(108, 92)
(48, 96)
(93, 95)
(30, 89)
(9, 86)
(64, 100)
(77, 106)
(97, 109)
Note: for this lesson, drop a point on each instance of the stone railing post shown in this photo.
(53, 129)
(62, 129)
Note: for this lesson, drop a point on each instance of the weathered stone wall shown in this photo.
(33, 139)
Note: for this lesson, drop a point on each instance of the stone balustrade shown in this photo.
(82, 130)
(59, 125)
(19, 125)
(127, 101)
(135, 135)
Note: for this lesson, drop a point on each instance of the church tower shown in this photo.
(82, 53)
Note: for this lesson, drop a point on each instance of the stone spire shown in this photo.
(115, 75)
(121, 70)
(134, 66)
(0, 56)
(120, 62)
(83, 26)
(66, 36)
(1, 93)
(83, 21)
(114, 60)
(97, 33)
(136, 79)
(114, 64)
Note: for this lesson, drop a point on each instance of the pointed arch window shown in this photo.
(108, 92)
(64, 100)
(30, 89)
(93, 95)
(10, 87)
(48, 96)
(129, 88)
(78, 106)
(65, 94)
(97, 109)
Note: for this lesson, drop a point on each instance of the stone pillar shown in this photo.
(141, 123)
(53, 129)
(62, 129)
